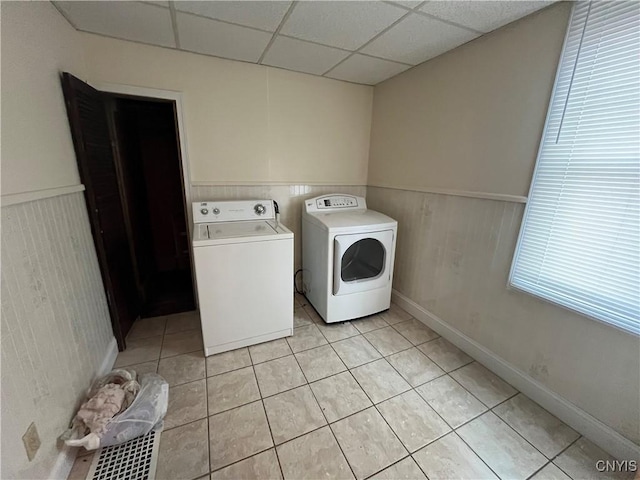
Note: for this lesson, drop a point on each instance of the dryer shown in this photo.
(348, 255)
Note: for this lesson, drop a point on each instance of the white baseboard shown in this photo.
(109, 358)
(67, 455)
(64, 463)
(602, 435)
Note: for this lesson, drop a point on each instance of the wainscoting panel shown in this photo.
(55, 325)
(453, 259)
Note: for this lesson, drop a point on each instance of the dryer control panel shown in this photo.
(327, 203)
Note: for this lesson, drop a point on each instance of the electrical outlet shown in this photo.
(31, 441)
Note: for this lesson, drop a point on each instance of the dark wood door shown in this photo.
(94, 152)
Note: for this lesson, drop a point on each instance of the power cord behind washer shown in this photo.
(295, 275)
(295, 285)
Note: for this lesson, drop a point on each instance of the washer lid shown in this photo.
(236, 229)
(237, 232)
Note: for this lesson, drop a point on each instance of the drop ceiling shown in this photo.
(358, 41)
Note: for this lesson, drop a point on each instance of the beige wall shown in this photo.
(55, 328)
(250, 124)
(470, 119)
(37, 43)
(244, 124)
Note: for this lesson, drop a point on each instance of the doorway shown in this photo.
(150, 174)
(129, 150)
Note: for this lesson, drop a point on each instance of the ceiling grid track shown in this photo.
(277, 32)
(174, 23)
(364, 45)
(368, 42)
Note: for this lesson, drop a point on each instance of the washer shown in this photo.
(243, 262)
(347, 257)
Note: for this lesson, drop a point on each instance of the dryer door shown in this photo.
(361, 261)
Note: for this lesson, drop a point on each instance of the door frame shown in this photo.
(176, 97)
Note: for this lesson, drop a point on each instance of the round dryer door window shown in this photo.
(364, 259)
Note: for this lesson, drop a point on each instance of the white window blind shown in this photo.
(579, 244)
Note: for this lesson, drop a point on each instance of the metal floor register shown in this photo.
(133, 460)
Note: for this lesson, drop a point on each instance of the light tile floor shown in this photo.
(382, 397)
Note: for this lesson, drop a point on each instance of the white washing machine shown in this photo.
(243, 261)
(347, 257)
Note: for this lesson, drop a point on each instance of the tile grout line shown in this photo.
(476, 454)
(538, 470)
(328, 376)
(323, 414)
(452, 430)
(446, 373)
(374, 406)
(510, 426)
(273, 440)
(264, 408)
(489, 410)
(322, 426)
(397, 462)
(412, 388)
(237, 461)
(561, 453)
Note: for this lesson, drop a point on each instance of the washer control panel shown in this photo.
(327, 203)
(232, 211)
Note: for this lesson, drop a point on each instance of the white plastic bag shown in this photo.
(143, 415)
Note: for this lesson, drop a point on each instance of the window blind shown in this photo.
(579, 245)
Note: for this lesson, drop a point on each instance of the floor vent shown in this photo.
(133, 460)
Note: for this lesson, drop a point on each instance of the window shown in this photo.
(579, 244)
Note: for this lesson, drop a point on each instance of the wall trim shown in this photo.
(24, 197)
(176, 97)
(109, 358)
(67, 455)
(257, 183)
(501, 197)
(602, 435)
(64, 463)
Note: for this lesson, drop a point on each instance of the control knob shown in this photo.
(260, 209)
(204, 211)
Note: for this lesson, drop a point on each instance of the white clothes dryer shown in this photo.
(243, 261)
(348, 254)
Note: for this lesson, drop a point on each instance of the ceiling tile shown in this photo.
(482, 15)
(302, 56)
(367, 70)
(265, 15)
(203, 35)
(129, 20)
(340, 24)
(418, 38)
